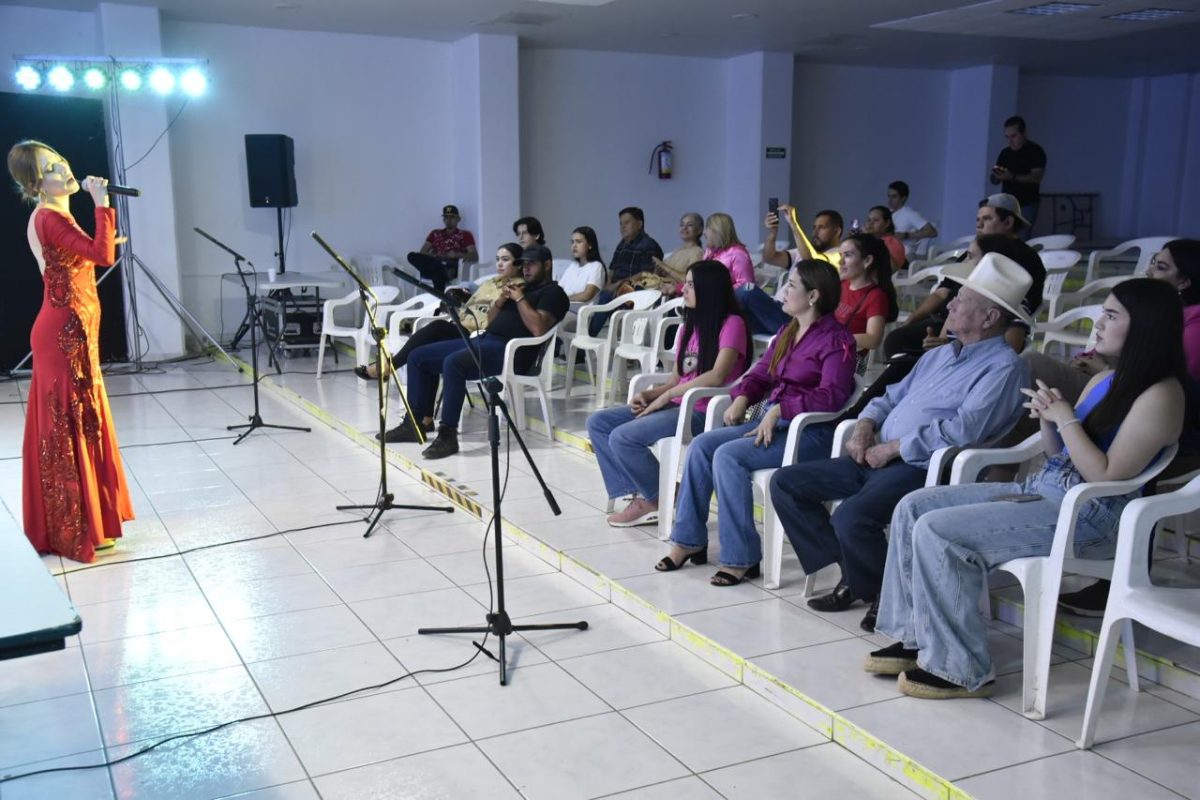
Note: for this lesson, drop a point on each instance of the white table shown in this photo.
(38, 617)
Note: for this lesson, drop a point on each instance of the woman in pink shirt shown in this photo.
(724, 246)
(713, 349)
(810, 367)
(879, 224)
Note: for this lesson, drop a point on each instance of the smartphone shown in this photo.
(1016, 498)
(997, 168)
(773, 205)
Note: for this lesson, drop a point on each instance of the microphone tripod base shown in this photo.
(386, 504)
(500, 626)
(256, 422)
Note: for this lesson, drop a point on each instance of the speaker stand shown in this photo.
(279, 228)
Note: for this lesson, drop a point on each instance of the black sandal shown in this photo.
(668, 564)
(362, 373)
(723, 578)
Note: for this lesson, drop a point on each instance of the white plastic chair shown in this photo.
(1131, 597)
(1059, 328)
(939, 249)
(642, 338)
(773, 535)
(602, 345)
(1098, 289)
(1147, 247)
(515, 383)
(359, 333)
(373, 267)
(671, 449)
(1059, 260)
(423, 305)
(1057, 241)
(906, 284)
(480, 270)
(1041, 576)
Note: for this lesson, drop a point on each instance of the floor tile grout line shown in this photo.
(324, 416)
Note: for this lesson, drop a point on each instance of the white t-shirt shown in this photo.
(906, 220)
(580, 276)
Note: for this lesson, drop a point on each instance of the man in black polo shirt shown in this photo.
(1019, 170)
(635, 254)
(519, 312)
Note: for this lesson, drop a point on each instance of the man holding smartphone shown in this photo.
(1019, 170)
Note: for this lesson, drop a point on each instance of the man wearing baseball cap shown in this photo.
(444, 248)
(960, 394)
(519, 312)
(1001, 213)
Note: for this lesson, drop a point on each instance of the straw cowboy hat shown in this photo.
(999, 279)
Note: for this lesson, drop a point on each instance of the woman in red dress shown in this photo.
(75, 495)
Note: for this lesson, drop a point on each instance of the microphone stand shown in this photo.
(254, 314)
(384, 498)
(499, 624)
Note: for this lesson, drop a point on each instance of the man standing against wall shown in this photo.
(1019, 170)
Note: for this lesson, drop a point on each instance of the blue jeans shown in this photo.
(449, 361)
(943, 542)
(1030, 211)
(723, 460)
(622, 444)
(764, 314)
(853, 535)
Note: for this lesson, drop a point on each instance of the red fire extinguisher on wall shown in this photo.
(661, 155)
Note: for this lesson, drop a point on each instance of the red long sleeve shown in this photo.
(58, 231)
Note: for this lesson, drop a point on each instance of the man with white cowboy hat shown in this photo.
(963, 393)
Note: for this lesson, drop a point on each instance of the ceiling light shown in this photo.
(1053, 9)
(193, 82)
(1148, 15)
(94, 79)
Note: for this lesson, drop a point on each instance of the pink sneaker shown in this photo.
(640, 511)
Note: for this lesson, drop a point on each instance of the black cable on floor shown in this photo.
(270, 715)
(207, 546)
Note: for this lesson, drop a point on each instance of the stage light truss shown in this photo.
(162, 76)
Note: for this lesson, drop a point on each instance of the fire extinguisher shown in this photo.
(662, 156)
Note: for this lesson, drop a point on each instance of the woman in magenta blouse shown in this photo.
(809, 367)
(724, 246)
(713, 349)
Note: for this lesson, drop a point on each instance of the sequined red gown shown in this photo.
(74, 484)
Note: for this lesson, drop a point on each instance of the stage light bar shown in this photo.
(65, 73)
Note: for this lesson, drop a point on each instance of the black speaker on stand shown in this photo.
(271, 169)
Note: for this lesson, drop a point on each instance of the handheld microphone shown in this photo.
(125, 190)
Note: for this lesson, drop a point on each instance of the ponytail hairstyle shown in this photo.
(1153, 350)
(715, 302)
(880, 269)
(812, 274)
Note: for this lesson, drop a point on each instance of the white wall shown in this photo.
(370, 117)
(857, 129)
(1081, 122)
(588, 123)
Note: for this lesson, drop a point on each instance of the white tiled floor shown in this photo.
(619, 710)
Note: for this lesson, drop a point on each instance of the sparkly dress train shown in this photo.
(74, 491)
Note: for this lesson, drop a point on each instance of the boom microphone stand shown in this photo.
(499, 624)
(254, 315)
(384, 501)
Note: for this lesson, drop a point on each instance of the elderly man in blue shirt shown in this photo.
(962, 393)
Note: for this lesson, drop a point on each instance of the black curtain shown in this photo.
(74, 126)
